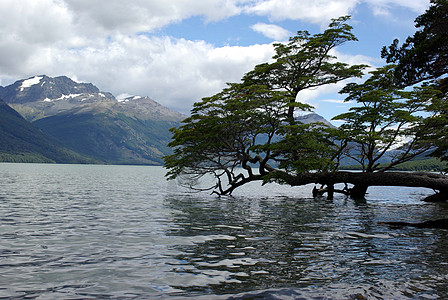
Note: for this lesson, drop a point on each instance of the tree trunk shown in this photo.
(361, 181)
(441, 223)
(437, 197)
(358, 191)
(330, 192)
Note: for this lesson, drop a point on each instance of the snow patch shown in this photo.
(63, 97)
(68, 96)
(124, 98)
(30, 82)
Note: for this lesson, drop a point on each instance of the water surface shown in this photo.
(83, 231)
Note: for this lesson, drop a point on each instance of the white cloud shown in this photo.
(101, 42)
(384, 7)
(271, 31)
(337, 101)
(144, 16)
(322, 11)
(175, 72)
(36, 22)
(315, 11)
(358, 59)
(314, 96)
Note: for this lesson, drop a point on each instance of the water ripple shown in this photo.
(123, 232)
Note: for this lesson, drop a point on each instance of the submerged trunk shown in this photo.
(330, 192)
(437, 197)
(361, 181)
(358, 191)
(441, 223)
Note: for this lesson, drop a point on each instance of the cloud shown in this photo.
(314, 11)
(271, 31)
(114, 43)
(102, 44)
(146, 16)
(175, 72)
(34, 22)
(322, 11)
(385, 7)
(337, 101)
(317, 95)
(371, 62)
(27, 27)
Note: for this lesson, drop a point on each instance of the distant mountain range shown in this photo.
(60, 120)
(94, 123)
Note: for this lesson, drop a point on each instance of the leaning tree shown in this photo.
(250, 132)
(251, 125)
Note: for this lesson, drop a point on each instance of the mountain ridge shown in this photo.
(42, 87)
(134, 130)
(20, 141)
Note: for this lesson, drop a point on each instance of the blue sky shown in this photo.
(178, 51)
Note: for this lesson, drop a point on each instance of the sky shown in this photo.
(179, 51)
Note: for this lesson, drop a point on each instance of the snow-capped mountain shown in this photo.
(41, 96)
(313, 118)
(134, 130)
(48, 89)
(145, 107)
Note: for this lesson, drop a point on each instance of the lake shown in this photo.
(92, 231)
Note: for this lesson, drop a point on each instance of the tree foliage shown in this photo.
(424, 55)
(251, 125)
(387, 121)
(250, 130)
(436, 126)
(306, 62)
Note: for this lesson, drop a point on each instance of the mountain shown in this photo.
(313, 118)
(44, 88)
(20, 141)
(113, 132)
(41, 96)
(134, 130)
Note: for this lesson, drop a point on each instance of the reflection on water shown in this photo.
(311, 248)
(120, 231)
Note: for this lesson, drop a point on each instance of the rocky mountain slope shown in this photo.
(42, 96)
(94, 123)
(20, 141)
